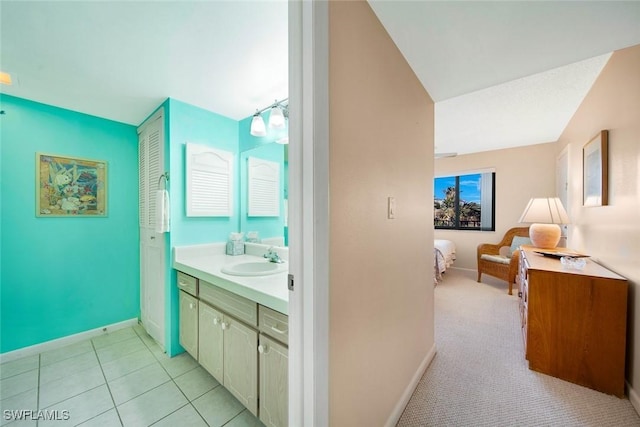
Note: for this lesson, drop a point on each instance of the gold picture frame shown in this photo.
(595, 178)
(70, 186)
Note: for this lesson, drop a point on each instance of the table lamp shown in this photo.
(545, 214)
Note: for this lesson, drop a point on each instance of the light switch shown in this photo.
(391, 211)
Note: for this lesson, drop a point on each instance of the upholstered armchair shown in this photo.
(501, 260)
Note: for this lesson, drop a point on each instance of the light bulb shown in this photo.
(257, 125)
(276, 118)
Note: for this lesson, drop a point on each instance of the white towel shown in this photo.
(162, 211)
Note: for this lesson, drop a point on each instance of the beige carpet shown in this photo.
(479, 376)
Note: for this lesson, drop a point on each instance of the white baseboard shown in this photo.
(408, 392)
(61, 342)
(634, 398)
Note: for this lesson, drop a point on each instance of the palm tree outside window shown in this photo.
(465, 202)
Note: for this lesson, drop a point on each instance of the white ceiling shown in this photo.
(121, 59)
(480, 61)
(504, 74)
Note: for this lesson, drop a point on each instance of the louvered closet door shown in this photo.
(152, 246)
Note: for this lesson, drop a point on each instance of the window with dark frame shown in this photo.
(465, 202)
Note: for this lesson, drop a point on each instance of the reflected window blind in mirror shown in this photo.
(209, 181)
(264, 187)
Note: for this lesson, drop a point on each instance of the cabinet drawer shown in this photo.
(273, 323)
(188, 283)
(235, 305)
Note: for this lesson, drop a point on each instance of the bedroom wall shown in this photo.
(521, 173)
(611, 234)
(381, 281)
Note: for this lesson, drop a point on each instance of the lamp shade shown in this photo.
(545, 214)
(257, 126)
(276, 118)
(546, 210)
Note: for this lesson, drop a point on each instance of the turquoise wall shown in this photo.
(62, 276)
(187, 123)
(264, 148)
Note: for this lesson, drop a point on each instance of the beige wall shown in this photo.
(381, 271)
(611, 234)
(521, 173)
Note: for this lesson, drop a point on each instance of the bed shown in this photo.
(444, 256)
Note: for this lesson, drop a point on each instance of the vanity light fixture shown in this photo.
(278, 112)
(276, 117)
(257, 125)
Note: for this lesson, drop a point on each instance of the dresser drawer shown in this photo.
(235, 305)
(273, 323)
(188, 283)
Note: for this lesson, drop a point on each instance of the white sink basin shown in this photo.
(254, 268)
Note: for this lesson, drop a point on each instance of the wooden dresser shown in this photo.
(573, 321)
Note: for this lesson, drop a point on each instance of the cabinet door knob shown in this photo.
(263, 349)
(216, 320)
(225, 325)
(191, 306)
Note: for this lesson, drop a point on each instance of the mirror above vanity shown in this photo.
(264, 177)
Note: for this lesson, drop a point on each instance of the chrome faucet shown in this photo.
(273, 256)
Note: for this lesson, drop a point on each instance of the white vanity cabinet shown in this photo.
(243, 344)
(274, 386)
(241, 362)
(274, 367)
(211, 341)
(189, 323)
(227, 346)
(227, 349)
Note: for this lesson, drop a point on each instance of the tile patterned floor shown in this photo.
(117, 379)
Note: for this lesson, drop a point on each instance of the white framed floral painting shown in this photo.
(70, 186)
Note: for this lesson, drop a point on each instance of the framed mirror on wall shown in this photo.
(264, 177)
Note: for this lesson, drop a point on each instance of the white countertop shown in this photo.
(205, 262)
